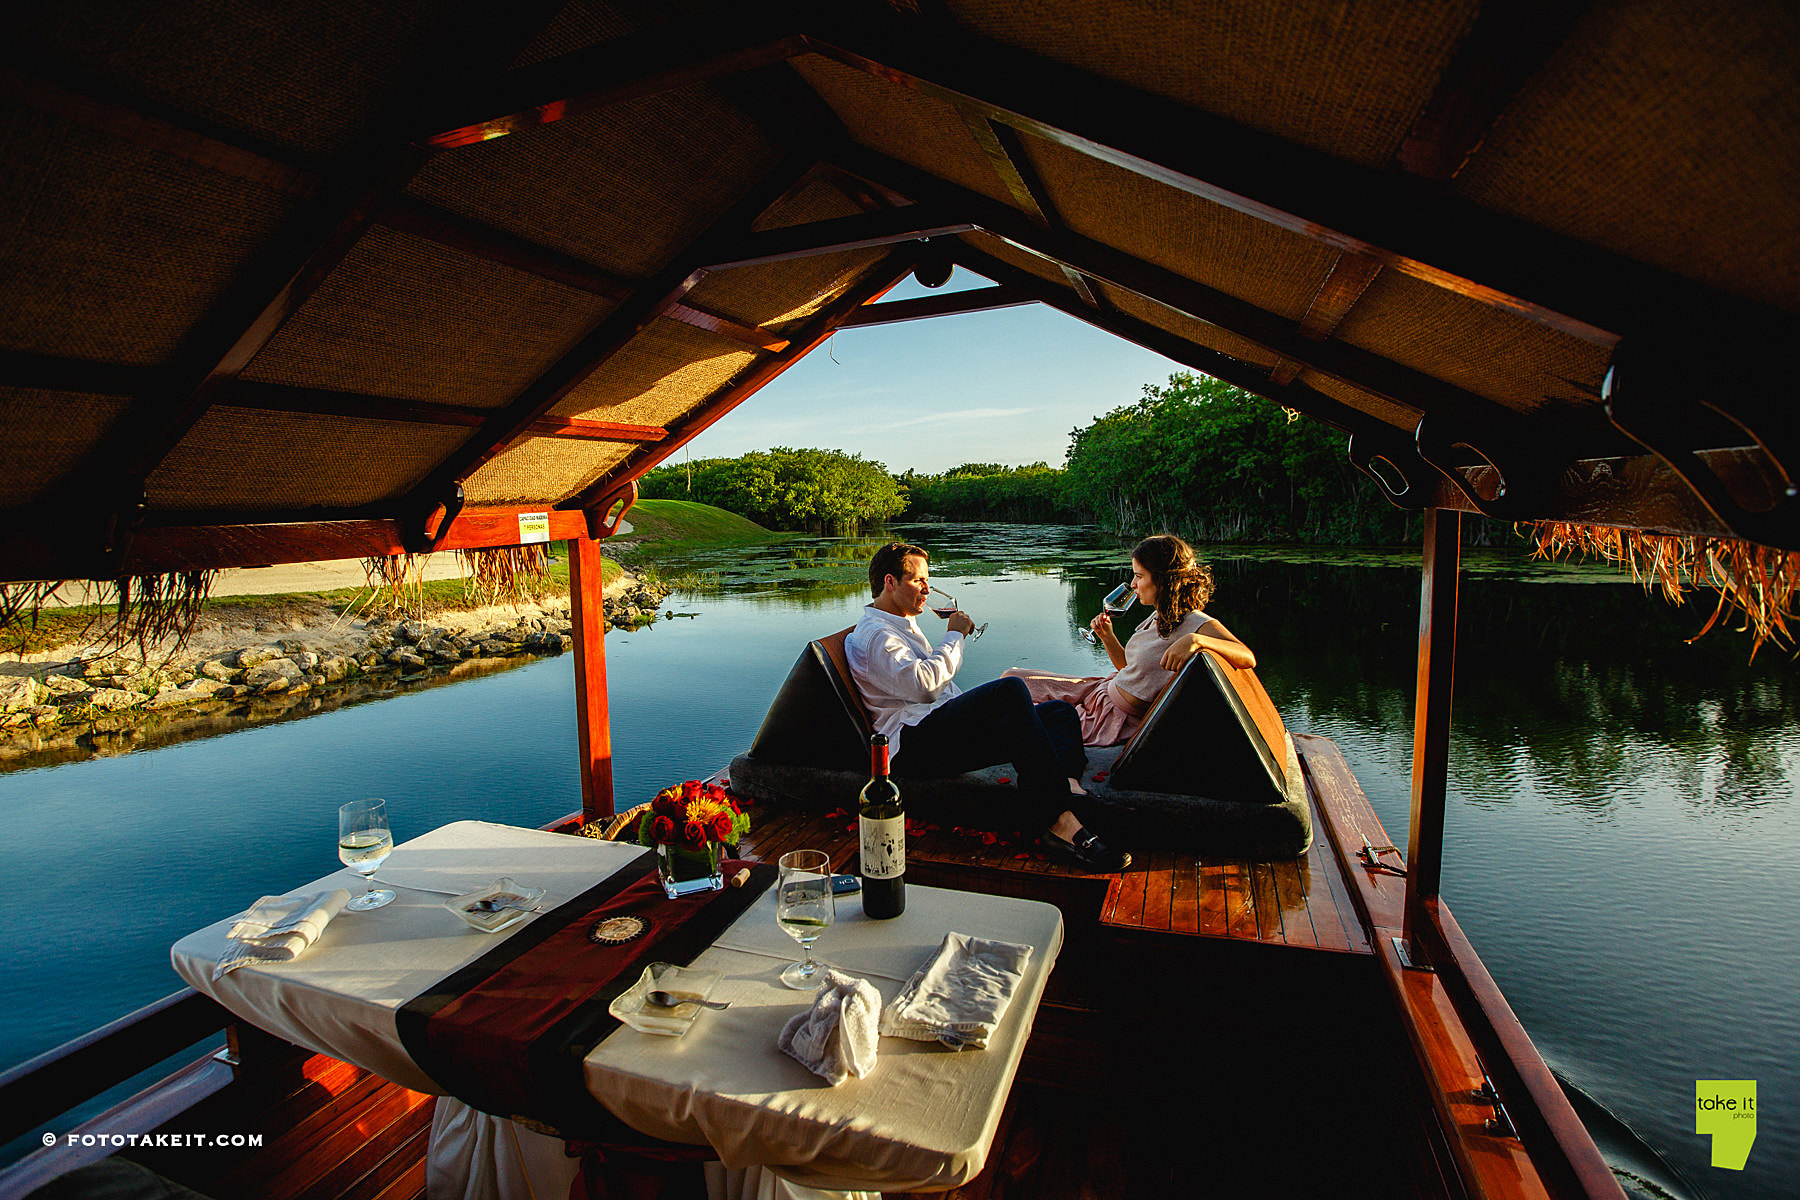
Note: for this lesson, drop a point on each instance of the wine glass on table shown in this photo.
(804, 909)
(1115, 603)
(364, 842)
(948, 608)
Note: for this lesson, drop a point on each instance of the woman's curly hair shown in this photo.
(1183, 583)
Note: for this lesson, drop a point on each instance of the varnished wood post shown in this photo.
(1431, 719)
(592, 725)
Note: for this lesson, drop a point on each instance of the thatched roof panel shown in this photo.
(116, 251)
(46, 436)
(245, 458)
(408, 319)
(1347, 79)
(1648, 132)
(539, 467)
(624, 188)
(665, 371)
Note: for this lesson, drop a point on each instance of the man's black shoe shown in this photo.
(1089, 850)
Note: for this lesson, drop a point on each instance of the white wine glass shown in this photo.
(1115, 603)
(805, 909)
(364, 842)
(950, 608)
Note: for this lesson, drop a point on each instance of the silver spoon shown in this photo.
(665, 1000)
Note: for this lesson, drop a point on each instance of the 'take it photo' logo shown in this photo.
(1726, 1109)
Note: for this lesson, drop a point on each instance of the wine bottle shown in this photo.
(881, 819)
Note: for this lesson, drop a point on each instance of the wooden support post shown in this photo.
(1431, 720)
(592, 726)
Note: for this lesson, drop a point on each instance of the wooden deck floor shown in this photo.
(1301, 902)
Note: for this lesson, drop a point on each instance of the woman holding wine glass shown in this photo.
(1165, 577)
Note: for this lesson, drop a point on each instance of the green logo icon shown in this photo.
(1726, 1109)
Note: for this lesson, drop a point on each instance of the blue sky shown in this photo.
(1004, 386)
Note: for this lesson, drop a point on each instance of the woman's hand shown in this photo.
(1180, 651)
(1109, 641)
(1101, 626)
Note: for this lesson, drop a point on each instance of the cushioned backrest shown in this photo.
(1213, 732)
(818, 718)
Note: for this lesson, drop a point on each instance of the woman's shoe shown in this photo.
(1089, 850)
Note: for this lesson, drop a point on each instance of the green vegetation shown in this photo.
(1215, 463)
(681, 522)
(823, 491)
(990, 492)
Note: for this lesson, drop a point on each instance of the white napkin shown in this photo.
(836, 1037)
(279, 928)
(959, 996)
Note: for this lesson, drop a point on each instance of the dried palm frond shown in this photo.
(396, 582)
(147, 609)
(21, 601)
(1756, 581)
(517, 573)
(156, 608)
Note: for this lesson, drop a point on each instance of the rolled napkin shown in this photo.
(836, 1037)
(960, 994)
(279, 928)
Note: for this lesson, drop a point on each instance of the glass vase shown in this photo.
(683, 872)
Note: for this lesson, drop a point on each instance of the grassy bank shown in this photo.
(673, 525)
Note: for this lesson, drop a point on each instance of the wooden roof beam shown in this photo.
(670, 56)
(874, 283)
(492, 245)
(1359, 368)
(1006, 154)
(938, 304)
(1407, 224)
(865, 231)
(1349, 277)
(1248, 376)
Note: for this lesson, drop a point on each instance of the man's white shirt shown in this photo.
(900, 676)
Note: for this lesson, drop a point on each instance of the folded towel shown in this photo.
(959, 996)
(279, 928)
(836, 1038)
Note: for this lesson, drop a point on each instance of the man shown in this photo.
(935, 728)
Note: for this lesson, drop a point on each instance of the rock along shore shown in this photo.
(267, 662)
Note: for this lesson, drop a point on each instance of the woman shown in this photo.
(1166, 577)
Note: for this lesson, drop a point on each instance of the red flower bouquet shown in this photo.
(688, 823)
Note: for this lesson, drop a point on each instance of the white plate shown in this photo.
(632, 1008)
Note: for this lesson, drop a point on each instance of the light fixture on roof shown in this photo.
(934, 266)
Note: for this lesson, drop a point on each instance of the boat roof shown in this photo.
(362, 273)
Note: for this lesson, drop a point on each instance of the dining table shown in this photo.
(924, 1119)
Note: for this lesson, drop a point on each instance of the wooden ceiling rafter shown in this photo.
(663, 58)
(1249, 376)
(426, 221)
(1349, 277)
(875, 282)
(865, 231)
(1352, 365)
(610, 336)
(1000, 145)
(938, 304)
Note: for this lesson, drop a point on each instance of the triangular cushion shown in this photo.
(816, 720)
(1213, 732)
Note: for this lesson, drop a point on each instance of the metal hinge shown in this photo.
(1501, 1123)
(1406, 959)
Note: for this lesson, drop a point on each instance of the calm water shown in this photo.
(1619, 845)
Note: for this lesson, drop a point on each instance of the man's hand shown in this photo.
(960, 623)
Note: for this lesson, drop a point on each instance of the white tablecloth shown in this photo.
(924, 1118)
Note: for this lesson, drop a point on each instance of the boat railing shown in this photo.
(46, 1087)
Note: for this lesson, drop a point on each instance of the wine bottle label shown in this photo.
(883, 847)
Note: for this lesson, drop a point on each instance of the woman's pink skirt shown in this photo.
(1104, 720)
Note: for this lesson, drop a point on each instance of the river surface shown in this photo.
(1620, 840)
